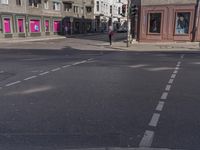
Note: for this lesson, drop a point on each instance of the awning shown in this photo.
(67, 1)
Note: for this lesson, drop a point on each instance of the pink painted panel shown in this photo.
(56, 25)
(7, 28)
(35, 25)
(20, 25)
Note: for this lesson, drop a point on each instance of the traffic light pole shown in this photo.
(128, 23)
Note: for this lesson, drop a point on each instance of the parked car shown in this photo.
(122, 30)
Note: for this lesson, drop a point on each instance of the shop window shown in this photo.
(56, 25)
(154, 23)
(182, 23)
(20, 23)
(35, 25)
(7, 25)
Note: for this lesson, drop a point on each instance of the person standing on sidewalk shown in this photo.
(66, 31)
(110, 34)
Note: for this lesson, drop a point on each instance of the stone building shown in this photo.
(166, 20)
(107, 11)
(24, 18)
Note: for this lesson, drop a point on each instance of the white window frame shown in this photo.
(46, 4)
(3, 1)
(57, 6)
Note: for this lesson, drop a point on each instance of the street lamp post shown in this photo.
(128, 22)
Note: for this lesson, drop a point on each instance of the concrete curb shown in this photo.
(121, 149)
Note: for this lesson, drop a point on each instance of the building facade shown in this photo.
(166, 20)
(109, 12)
(24, 18)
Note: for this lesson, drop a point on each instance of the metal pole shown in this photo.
(128, 23)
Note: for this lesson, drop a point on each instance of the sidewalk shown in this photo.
(43, 38)
(165, 46)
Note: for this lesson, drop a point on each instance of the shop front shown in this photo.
(166, 23)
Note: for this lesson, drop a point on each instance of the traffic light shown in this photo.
(133, 10)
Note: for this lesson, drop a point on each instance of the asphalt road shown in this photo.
(56, 99)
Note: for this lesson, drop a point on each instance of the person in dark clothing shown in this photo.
(110, 34)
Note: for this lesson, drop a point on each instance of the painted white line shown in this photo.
(177, 68)
(147, 139)
(81, 62)
(56, 69)
(179, 63)
(0, 88)
(66, 66)
(171, 81)
(175, 72)
(182, 56)
(164, 95)
(160, 106)
(1, 71)
(154, 120)
(173, 76)
(32, 77)
(41, 74)
(168, 87)
(90, 59)
(13, 83)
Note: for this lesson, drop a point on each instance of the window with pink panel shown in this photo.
(34, 25)
(20, 23)
(56, 25)
(7, 25)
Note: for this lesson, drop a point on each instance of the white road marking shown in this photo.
(90, 59)
(32, 77)
(33, 59)
(175, 72)
(171, 81)
(0, 88)
(56, 69)
(182, 56)
(41, 74)
(154, 120)
(168, 87)
(13, 83)
(80, 62)
(1, 71)
(173, 76)
(177, 68)
(147, 139)
(66, 66)
(160, 106)
(178, 63)
(164, 95)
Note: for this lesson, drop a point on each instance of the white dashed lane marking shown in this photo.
(175, 72)
(173, 76)
(160, 106)
(171, 81)
(154, 120)
(168, 87)
(44, 73)
(13, 83)
(147, 139)
(56, 69)
(81, 62)
(66, 66)
(29, 78)
(164, 95)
